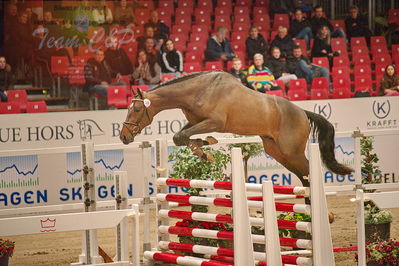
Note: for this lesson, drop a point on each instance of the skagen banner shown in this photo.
(46, 178)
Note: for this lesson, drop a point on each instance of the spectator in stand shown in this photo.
(301, 66)
(51, 25)
(304, 5)
(32, 17)
(22, 42)
(102, 14)
(318, 21)
(124, 15)
(149, 33)
(160, 28)
(218, 47)
(236, 71)
(390, 82)
(172, 60)
(6, 78)
(118, 61)
(357, 25)
(149, 48)
(300, 27)
(147, 72)
(259, 77)
(278, 66)
(322, 45)
(255, 43)
(284, 42)
(97, 74)
(281, 7)
(10, 20)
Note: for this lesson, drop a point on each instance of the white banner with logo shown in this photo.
(54, 176)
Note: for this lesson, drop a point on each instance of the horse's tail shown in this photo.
(325, 132)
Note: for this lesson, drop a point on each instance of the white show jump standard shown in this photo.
(223, 235)
(223, 185)
(223, 218)
(280, 206)
(206, 250)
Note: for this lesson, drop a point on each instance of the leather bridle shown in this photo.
(136, 129)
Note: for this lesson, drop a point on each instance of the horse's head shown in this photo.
(137, 117)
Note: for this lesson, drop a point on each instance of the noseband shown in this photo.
(136, 129)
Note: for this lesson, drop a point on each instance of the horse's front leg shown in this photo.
(182, 138)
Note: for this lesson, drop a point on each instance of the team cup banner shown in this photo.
(40, 160)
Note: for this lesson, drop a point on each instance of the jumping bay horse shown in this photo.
(215, 101)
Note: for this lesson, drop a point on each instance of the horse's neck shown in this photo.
(163, 99)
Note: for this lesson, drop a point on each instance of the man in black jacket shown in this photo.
(218, 47)
(6, 78)
(284, 42)
(161, 29)
(357, 25)
(255, 43)
(97, 74)
(318, 20)
(300, 27)
(117, 60)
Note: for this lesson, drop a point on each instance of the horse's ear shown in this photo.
(140, 93)
(134, 92)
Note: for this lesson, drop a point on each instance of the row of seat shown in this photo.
(11, 107)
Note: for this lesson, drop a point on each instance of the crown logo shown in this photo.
(48, 225)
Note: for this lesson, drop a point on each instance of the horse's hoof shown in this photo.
(331, 217)
(209, 157)
(211, 140)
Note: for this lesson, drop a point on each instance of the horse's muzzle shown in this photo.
(126, 135)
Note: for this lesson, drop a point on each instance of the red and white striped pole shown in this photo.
(182, 260)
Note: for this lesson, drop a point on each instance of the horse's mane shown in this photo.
(183, 78)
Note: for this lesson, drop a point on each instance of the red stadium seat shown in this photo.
(242, 27)
(341, 93)
(198, 11)
(341, 61)
(364, 83)
(281, 84)
(361, 60)
(36, 107)
(200, 29)
(340, 72)
(117, 96)
(203, 20)
(260, 11)
(241, 10)
(223, 19)
(59, 65)
(147, 4)
(395, 50)
(238, 45)
(205, 3)
(18, 96)
(302, 43)
(238, 36)
(376, 41)
(262, 22)
(360, 51)
(186, 3)
(382, 58)
(184, 11)
(165, 4)
(79, 61)
(242, 19)
(361, 70)
(319, 94)
(339, 45)
(342, 82)
(181, 28)
(322, 62)
(179, 37)
(192, 67)
(244, 3)
(298, 84)
(262, 3)
(181, 19)
(393, 16)
(224, 3)
(319, 83)
(214, 65)
(10, 108)
(281, 20)
(297, 95)
(196, 46)
(76, 76)
(380, 69)
(223, 11)
(358, 41)
(199, 37)
(194, 56)
(338, 24)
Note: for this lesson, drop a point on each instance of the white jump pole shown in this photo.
(321, 233)
(273, 248)
(122, 232)
(161, 153)
(136, 235)
(243, 246)
(90, 244)
(146, 165)
(360, 228)
(357, 157)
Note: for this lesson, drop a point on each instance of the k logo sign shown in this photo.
(89, 128)
(323, 110)
(381, 108)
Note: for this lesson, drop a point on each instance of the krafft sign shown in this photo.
(31, 131)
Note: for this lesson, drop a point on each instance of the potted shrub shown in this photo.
(382, 253)
(189, 166)
(6, 251)
(377, 221)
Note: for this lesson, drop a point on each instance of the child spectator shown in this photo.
(236, 71)
(255, 43)
(278, 66)
(147, 72)
(322, 45)
(6, 78)
(357, 25)
(300, 27)
(172, 60)
(390, 82)
(283, 41)
(218, 47)
(259, 77)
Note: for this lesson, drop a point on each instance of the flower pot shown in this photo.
(4, 260)
(378, 232)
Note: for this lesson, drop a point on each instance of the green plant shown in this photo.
(371, 174)
(382, 252)
(248, 150)
(6, 248)
(293, 216)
